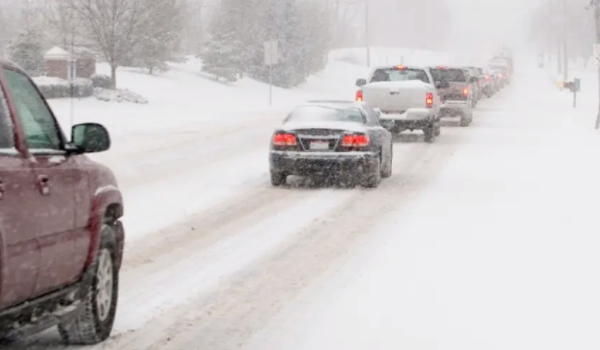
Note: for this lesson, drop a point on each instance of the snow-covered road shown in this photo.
(483, 240)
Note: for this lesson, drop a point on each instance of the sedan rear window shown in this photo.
(395, 74)
(451, 75)
(326, 114)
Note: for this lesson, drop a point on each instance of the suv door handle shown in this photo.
(44, 185)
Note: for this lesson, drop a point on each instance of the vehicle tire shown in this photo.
(373, 179)
(437, 128)
(429, 134)
(386, 172)
(94, 321)
(466, 120)
(278, 179)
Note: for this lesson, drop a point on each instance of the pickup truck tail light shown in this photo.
(359, 95)
(355, 141)
(284, 139)
(429, 100)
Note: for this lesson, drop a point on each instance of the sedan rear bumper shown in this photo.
(322, 163)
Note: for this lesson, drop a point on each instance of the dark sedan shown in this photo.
(332, 138)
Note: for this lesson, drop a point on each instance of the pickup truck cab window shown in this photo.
(7, 141)
(395, 74)
(41, 131)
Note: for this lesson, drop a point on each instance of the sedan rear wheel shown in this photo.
(278, 179)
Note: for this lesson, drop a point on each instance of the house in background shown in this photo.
(60, 63)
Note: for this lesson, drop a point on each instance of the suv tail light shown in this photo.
(284, 139)
(429, 100)
(357, 140)
(359, 96)
(465, 92)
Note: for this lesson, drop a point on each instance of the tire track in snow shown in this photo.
(240, 309)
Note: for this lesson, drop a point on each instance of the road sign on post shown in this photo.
(271, 59)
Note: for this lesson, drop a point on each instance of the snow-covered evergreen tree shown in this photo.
(27, 52)
(222, 54)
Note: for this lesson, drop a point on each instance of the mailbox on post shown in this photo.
(574, 86)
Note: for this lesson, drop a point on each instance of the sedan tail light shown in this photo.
(284, 139)
(359, 95)
(358, 140)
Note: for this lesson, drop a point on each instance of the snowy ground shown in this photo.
(484, 240)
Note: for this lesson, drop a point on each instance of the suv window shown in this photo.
(7, 140)
(451, 75)
(39, 125)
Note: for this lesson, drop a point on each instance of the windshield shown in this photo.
(451, 75)
(325, 114)
(395, 74)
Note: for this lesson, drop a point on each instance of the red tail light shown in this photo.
(487, 78)
(400, 67)
(359, 96)
(466, 92)
(429, 100)
(355, 141)
(281, 139)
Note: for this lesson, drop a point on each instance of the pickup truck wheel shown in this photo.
(429, 134)
(437, 130)
(278, 179)
(386, 172)
(93, 323)
(373, 179)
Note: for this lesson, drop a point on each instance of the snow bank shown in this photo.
(108, 95)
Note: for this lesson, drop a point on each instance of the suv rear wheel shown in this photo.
(94, 321)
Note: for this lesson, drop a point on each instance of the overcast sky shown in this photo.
(483, 21)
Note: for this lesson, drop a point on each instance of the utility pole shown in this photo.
(367, 42)
(596, 9)
(565, 51)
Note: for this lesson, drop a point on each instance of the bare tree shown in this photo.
(60, 23)
(111, 27)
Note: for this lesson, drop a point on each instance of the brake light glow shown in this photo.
(500, 75)
(429, 100)
(355, 141)
(400, 67)
(283, 139)
(487, 78)
(441, 67)
(466, 92)
(359, 95)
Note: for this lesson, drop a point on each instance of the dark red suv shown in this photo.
(61, 239)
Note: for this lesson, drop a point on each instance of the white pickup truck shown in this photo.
(406, 97)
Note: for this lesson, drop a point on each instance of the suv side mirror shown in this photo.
(90, 138)
(361, 82)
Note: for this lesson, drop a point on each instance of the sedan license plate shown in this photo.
(319, 145)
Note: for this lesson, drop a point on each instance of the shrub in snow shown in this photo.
(27, 52)
(101, 81)
(118, 96)
(59, 88)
